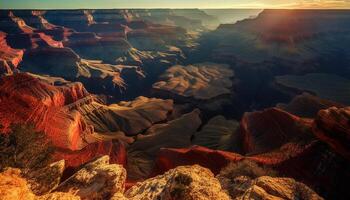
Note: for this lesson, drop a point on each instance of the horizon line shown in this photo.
(267, 8)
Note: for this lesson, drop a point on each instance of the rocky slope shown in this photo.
(206, 84)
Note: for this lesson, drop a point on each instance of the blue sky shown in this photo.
(62, 4)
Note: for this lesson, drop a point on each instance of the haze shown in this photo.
(69, 4)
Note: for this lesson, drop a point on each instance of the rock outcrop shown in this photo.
(14, 187)
(96, 180)
(130, 117)
(173, 134)
(185, 182)
(9, 57)
(25, 99)
(45, 180)
(307, 105)
(333, 127)
(270, 129)
(266, 187)
(219, 133)
(202, 81)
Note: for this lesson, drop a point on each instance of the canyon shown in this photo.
(176, 104)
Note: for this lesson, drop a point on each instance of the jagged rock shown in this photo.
(333, 127)
(96, 180)
(130, 117)
(9, 57)
(43, 181)
(266, 187)
(173, 134)
(14, 187)
(185, 182)
(25, 99)
(263, 131)
(218, 133)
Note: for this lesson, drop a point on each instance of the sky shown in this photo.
(74, 4)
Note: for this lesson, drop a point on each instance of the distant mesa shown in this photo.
(326, 86)
(208, 85)
(307, 105)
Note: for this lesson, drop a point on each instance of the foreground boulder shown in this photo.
(14, 187)
(45, 180)
(96, 180)
(266, 187)
(185, 182)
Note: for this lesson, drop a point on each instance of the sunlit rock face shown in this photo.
(9, 57)
(207, 84)
(97, 179)
(185, 182)
(202, 81)
(13, 24)
(266, 187)
(25, 99)
(63, 62)
(14, 186)
(130, 118)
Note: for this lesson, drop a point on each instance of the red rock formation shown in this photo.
(333, 127)
(32, 40)
(9, 57)
(25, 99)
(270, 129)
(13, 24)
(169, 158)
